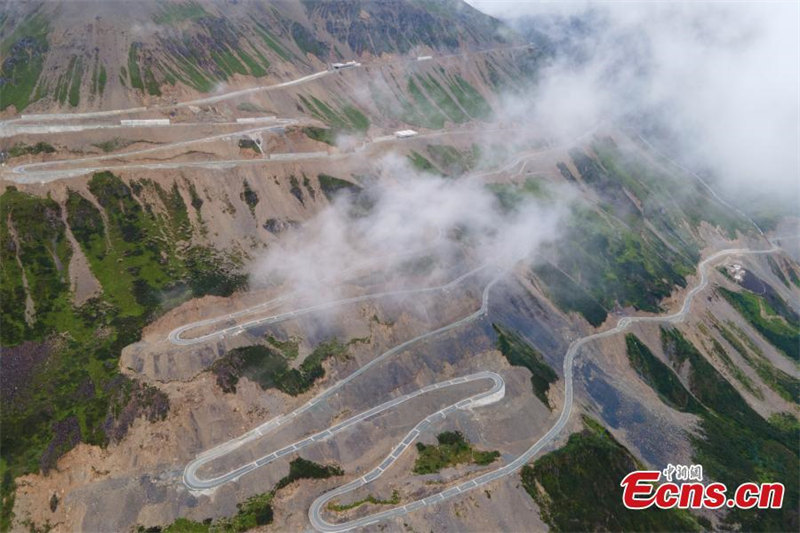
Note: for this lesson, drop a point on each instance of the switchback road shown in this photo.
(492, 395)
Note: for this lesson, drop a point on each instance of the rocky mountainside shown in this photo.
(112, 236)
(93, 55)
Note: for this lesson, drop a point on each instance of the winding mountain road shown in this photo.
(494, 394)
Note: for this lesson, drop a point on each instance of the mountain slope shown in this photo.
(62, 55)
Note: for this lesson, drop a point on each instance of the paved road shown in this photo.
(176, 335)
(229, 94)
(492, 395)
(23, 169)
(321, 524)
(50, 117)
(39, 173)
(190, 478)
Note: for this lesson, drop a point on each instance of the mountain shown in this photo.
(93, 55)
(228, 230)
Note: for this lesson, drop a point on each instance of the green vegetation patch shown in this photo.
(270, 368)
(470, 99)
(453, 161)
(737, 445)
(719, 351)
(659, 376)
(114, 144)
(577, 487)
(325, 135)
(773, 319)
(338, 508)
(60, 362)
(255, 511)
(512, 195)
(427, 114)
(788, 387)
(249, 196)
(23, 53)
(442, 99)
(172, 13)
(347, 119)
(307, 42)
(303, 469)
(602, 262)
(331, 186)
(420, 162)
(133, 66)
(31, 149)
(453, 449)
(519, 353)
(290, 348)
(76, 77)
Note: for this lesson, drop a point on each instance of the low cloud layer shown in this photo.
(401, 214)
(721, 80)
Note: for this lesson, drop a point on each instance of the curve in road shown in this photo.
(494, 394)
(176, 335)
(322, 525)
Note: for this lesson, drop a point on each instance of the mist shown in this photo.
(402, 214)
(714, 84)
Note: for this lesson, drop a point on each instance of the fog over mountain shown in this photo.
(408, 214)
(718, 80)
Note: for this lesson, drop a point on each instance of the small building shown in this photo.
(146, 122)
(404, 134)
(348, 64)
(424, 58)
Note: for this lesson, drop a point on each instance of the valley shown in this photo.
(235, 258)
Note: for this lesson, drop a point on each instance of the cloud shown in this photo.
(722, 79)
(458, 223)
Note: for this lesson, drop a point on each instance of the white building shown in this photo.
(348, 64)
(145, 122)
(404, 134)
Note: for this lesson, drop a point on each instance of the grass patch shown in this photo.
(512, 195)
(249, 196)
(420, 162)
(41, 147)
(75, 83)
(23, 53)
(270, 369)
(454, 162)
(303, 469)
(577, 487)
(605, 262)
(331, 186)
(453, 449)
(737, 445)
(786, 386)
(112, 145)
(325, 135)
(470, 99)
(338, 508)
(569, 295)
(772, 319)
(519, 353)
(60, 383)
(255, 511)
(442, 99)
(173, 13)
(289, 348)
(659, 376)
(428, 115)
